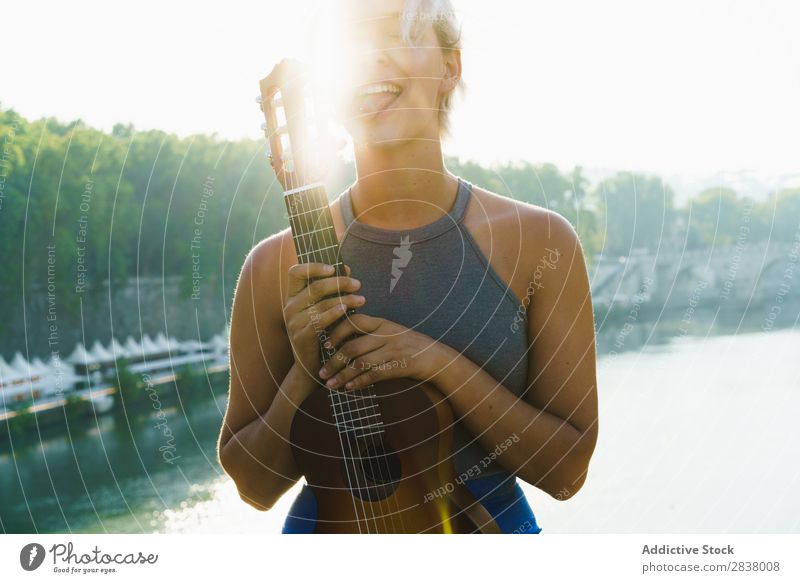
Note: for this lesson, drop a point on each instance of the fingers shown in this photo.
(355, 324)
(350, 301)
(322, 319)
(349, 352)
(329, 286)
(368, 369)
(300, 275)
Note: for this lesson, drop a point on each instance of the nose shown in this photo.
(370, 53)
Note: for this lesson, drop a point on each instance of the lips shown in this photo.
(376, 102)
(377, 97)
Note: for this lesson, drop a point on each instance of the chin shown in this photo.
(383, 135)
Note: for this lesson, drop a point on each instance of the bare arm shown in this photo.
(253, 444)
(556, 421)
(268, 382)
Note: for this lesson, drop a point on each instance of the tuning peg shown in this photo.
(264, 126)
(259, 99)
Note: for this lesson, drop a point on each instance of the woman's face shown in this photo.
(393, 90)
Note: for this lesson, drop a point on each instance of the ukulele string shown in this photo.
(291, 183)
(317, 254)
(335, 397)
(374, 458)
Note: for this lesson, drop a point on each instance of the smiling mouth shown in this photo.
(376, 97)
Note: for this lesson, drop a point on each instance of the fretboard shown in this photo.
(312, 226)
(355, 413)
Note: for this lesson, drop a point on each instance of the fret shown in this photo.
(317, 210)
(379, 432)
(352, 421)
(318, 250)
(359, 408)
(304, 208)
(346, 431)
(349, 429)
(322, 230)
(301, 189)
(348, 396)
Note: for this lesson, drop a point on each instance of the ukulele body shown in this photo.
(401, 480)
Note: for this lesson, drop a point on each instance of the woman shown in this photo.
(482, 296)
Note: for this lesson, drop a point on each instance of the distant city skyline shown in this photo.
(682, 89)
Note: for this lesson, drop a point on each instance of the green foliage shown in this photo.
(782, 212)
(190, 379)
(74, 406)
(22, 422)
(715, 217)
(153, 204)
(637, 212)
(130, 387)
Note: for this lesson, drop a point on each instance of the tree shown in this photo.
(636, 212)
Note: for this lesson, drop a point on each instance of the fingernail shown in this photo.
(360, 299)
(323, 372)
(349, 385)
(329, 269)
(331, 383)
(356, 283)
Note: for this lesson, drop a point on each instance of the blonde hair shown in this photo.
(416, 16)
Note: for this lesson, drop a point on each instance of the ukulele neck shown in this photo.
(355, 414)
(312, 226)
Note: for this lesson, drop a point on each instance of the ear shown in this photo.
(452, 70)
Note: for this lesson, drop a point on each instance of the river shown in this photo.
(698, 433)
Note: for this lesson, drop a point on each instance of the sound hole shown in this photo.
(375, 472)
(380, 464)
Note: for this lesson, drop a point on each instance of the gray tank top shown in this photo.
(436, 280)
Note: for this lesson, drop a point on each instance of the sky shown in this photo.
(680, 87)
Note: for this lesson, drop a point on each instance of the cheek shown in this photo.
(427, 75)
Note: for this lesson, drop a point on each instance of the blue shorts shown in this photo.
(500, 494)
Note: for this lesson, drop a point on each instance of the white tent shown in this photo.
(55, 362)
(61, 372)
(40, 367)
(133, 348)
(80, 355)
(19, 363)
(190, 346)
(149, 347)
(100, 353)
(9, 374)
(116, 349)
(162, 342)
(219, 343)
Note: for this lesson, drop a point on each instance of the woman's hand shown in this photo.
(386, 350)
(308, 310)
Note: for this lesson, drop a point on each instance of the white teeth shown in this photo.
(379, 88)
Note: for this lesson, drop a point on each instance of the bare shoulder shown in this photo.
(267, 253)
(266, 268)
(516, 235)
(531, 222)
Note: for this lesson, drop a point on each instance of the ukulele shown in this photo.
(378, 459)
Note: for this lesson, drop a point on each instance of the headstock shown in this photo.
(296, 125)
